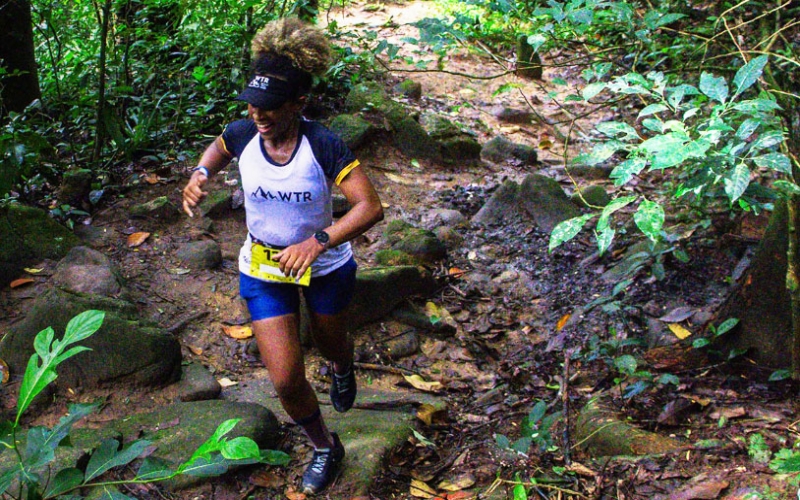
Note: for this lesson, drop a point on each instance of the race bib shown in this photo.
(262, 266)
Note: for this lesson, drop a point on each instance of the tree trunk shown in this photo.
(17, 55)
(762, 303)
(100, 135)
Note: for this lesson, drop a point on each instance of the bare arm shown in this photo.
(366, 211)
(214, 158)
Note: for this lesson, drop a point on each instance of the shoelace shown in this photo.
(319, 460)
(342, 382)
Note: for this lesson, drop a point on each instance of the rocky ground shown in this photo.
(511, 324)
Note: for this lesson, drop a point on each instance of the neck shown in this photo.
(285, 138)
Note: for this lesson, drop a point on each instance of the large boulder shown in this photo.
(456, 145)
(28, 235)
(353, 129)
(84, 270)
(538, 198)
(124, 350)
(501, 150)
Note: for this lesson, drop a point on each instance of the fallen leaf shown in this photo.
(419, 383)
(510, 129)
(677, 315)
(431, 414)
(295, 495)
(196, 350)
(433, 312)
(461, 482)
(33, 271)
(151, 178)
(226, 382)
(137, 239)
(179, 270)
(562, 322)
(400, 179)
(460, 495)
(679, 331)
(729, 412)
(20, 282)
(4, 373)
(421, 490)
(581, 470)
(238, 332)
(266, 479)
(545, 142)
(705, 490)
(455, 272)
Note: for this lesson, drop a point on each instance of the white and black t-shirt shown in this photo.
(286, 204)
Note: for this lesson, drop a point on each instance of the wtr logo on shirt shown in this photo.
(259, 82)
(287, 196)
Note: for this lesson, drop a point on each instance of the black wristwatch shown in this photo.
(323, 239)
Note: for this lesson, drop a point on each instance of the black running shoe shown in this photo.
(323, 467)
(343, 390)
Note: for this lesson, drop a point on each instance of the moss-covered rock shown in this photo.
(413, 141)
(353, 129)
(159, 208)
(75, 186)
(28, 235)
(123, 351)
(409, 88)
(216, 204)
(391, 257)
(396, 230)
(423, 245)
(594, 196)
(203, 254)
(500, 150)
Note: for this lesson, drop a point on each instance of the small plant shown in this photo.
(29, 477)
(758, 449)
(535, 430)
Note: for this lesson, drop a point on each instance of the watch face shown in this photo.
(322, 237)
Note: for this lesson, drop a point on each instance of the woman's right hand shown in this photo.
(193, 192)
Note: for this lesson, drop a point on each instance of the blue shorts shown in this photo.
(328, 294)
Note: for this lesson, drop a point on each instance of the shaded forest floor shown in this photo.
(560, 342)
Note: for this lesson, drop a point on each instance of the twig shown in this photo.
(179, 325)
(383, 368)
(565, 401)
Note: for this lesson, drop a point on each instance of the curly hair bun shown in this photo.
(305, 45)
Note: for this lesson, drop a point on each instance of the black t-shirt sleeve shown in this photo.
(237, 135)
(330, 151)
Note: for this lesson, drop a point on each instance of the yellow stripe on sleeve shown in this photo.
(225, 146)
(346, 170)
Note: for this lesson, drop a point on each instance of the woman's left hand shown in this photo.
(295, 259)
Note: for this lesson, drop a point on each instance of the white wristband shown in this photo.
(202, 170)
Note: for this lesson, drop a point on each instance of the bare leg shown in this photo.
(282, 354)
(330, 336)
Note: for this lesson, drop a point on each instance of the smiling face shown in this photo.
(277, 124)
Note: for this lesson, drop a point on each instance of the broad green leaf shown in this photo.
(36, 453)
(775, 161)
(653, 124)
(213, 444)
(42, 342)
(737, 181)
(649, 218)
(749, 73)
(700, 343)
(274, 457)
(72, 352)
(110, 492)
(726, 326)
(240, 448)
(668, 378)
(601, 152)
(64, 481)
(154, 469)
(626, 364)
(615, 129)
(107, 457)
(205, 467)
(7, 477)
(747, 128)
(676, 94)
(767, 140)
(786, 461)
(82, 326)
(75, 412)
(592, 90)
(668, 158)
(752, 106)
(716, 88)
(567, 230)
(652, 109)
(612, 207)
(604, 239)
(780, 375)
(787, 187)
(663, 142)
(537, 412)
(34, 381)
(536, 40)
(623, 172)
